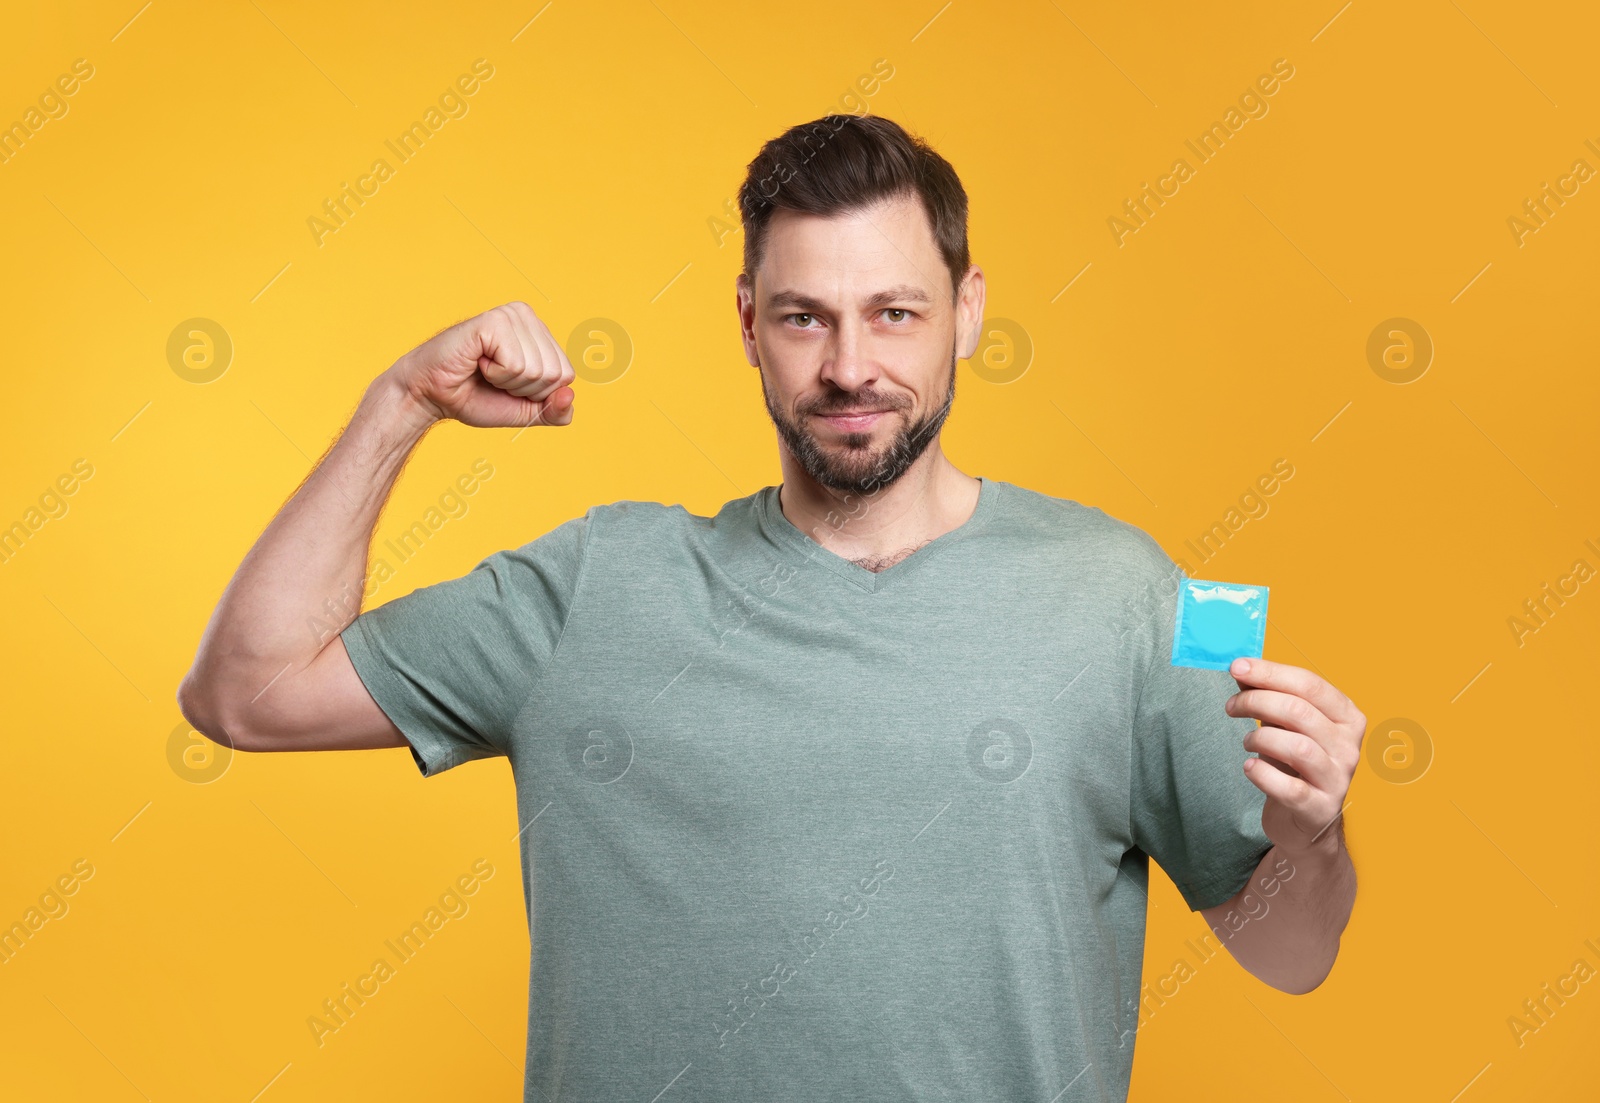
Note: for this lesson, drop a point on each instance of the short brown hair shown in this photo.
(845, 162)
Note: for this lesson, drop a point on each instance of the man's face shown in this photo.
(851, 323)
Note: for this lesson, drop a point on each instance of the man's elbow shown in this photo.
(1307, 976)
(213, 718)
(1299, 986)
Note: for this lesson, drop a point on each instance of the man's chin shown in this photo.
(853, 450)
(849, 444)
(853, 476)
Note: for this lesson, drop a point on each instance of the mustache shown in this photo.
(860, 401)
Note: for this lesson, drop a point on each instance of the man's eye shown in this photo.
(799, 324)
(904, 314)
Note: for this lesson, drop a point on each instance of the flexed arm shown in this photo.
(266, 676)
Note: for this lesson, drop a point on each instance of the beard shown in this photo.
(852, 467)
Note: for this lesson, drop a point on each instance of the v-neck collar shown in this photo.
(769, 514)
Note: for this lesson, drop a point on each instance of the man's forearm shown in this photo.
(313, 553)
(1284, 925)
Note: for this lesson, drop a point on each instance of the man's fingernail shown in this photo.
(1241, 666)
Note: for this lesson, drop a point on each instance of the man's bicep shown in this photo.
(325, 707)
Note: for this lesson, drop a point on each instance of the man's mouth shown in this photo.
(853, 421)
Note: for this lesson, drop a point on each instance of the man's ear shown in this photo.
(744, 296)
(969, 312)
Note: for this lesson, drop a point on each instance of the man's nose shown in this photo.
(846, 365)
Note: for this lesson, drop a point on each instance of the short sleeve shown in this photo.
(452, 664)
(1192, 808)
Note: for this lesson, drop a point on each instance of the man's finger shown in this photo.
(516, 319)
(503, 352)
(1298, 751)
(1285, 710)
(562, 414)
(1295, 793)
(1298, 681)
(542, 374)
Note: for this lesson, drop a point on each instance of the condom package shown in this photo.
(1217, 623)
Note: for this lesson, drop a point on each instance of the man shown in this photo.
(848, 791)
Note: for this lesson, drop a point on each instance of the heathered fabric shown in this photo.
(796, 830)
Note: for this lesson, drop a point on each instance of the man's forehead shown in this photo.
(897, 219)
(864, 255)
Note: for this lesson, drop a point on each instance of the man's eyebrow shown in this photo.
(904, 293)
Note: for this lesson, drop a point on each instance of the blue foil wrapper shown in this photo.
(1218, 622)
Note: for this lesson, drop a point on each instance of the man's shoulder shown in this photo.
(1076, 530)
(637, 514)
(642, 524)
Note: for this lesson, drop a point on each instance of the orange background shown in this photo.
(1159, 378)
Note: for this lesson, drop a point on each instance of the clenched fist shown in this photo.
(499, 369)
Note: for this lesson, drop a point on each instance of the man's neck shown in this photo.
(878, 530)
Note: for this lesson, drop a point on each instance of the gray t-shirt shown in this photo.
(799, 830)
